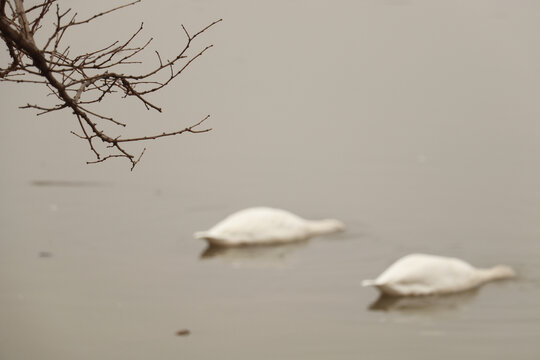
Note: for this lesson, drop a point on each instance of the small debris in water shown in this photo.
(44, 254)
(183, 332)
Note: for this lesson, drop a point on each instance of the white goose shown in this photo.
(263, 225)
(420, 274)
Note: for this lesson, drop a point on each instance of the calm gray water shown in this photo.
(414, 122)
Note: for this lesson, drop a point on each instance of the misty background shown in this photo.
(414, 122)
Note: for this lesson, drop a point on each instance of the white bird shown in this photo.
(420, 274)
(263, 225)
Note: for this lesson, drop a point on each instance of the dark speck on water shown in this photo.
(183, 332)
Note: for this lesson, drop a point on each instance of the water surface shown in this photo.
(414, 122)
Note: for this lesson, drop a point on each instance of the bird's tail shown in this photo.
(369, 283)
(201, 235)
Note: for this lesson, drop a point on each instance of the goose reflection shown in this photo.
(419, 304)
(258, 255)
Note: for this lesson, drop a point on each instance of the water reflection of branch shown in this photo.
(68, 183)
(259, 255)
(418, 304)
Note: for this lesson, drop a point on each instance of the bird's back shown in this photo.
(421, 274)
(259, 225)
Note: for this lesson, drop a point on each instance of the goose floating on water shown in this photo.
(264, 225)
(421, 274)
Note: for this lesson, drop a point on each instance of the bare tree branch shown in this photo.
(83, 80)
